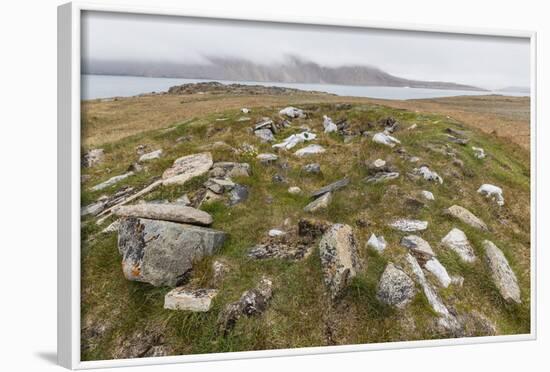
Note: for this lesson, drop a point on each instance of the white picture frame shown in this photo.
(69, 18)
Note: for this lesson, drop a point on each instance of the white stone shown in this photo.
(412, 126)
(294, 190)
(428, 174)
(378, 163)
(466, 216)
(199, 300)
(457, 241)
(295, 139)
(501, 272)
(438, 270)
(406, 225)
(151, 155)
(493, 192)
(427, 195)
(329, 125)
(111, 181)
(378, 243)
(187, 167)
(417, 245)
(267, 158)
(292, 112)
(276, 232)
(310, 150)
(245, 110)
(479, 152)
(385, 139)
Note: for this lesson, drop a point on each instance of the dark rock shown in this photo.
(238, 194)
(312, 168)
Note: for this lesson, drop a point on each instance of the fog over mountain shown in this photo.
(292, 70)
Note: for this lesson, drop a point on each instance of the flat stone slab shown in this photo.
(438, 271)
(407, 225)
(395, 287)
(339, 260)
(320, 203)
(457, 241)
(267, 158)
(466, 216)
(111, 181)
(165, 212)
(196, 300)
(162, 252)
(187, 167)
(310, 150)
(382, 177)
(330, 188)
(151, 155)
(418, 246)
(312, 168)
(502, 274)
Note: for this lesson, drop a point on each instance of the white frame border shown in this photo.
(69, 183)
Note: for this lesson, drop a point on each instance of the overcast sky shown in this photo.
(488, 62)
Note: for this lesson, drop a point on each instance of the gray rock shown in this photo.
(162, 252)
(427, 195)
(385, 139)
(438, 271)
(339, 261)
(183, 200)
(187, 167)
(320, 203)
(377, 243)
(165, 212)
(460, 141)
(111, 181)
(466, 216)
(93, 157)
(195, 300)
(267, 158)
(328, 125)
(407, 225)
(238, 194)
(292, 112)
(93, 209)
(428, 174)
(501, 273)
(266, 123)
(151, 155)
(295, 139)
(230, 169)
(418, 246)
(219, 185)
(382, 177)
(294, 190)
(312, 168)
(252, 302)
(492, 192)
(265, 135)
(479, 153)
(395, 288)
(277, 178)
(457, 241)
(331, 188)
(310, 150)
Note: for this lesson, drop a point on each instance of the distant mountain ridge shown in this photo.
(293, 70)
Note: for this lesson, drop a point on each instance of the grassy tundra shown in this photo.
(118, 315)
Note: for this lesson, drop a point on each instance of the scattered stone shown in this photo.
(419, 247)
(187, 167)
(252, 302)
(476, 324)
(457, 280)
(92, 158)
(385, 139)
(329, 125)
(245, 110)
(277, 178)
(267, 158)
(428, 174)
(427, 195)
(501, 272)
(414, 159)
(197, 300)
(230, 169)
(243, 118)
(466, 216)
(312, 168)
(295, 139)
(292, 112)
(330, 188)
(378, 163)
(93, 209)
(377, 243)
(339, 261)
(142, 343)
(412, 127)
(382, 177)
(456, 132)
(265, 135)
(294, 190)
(208, 197)
(319, 203)
(238, 194)
(395, 288)
(438, 270)
(162, 252)
(219, 270)
(141, 149)
(479, 153)
(151, 155)
(310, 150)
(493, 192)
(407, 225)
(113, 227)
(460, 141)
(275, 232)
(165, 212)
(266, 123)
(219, 185)
(111, 181)
(457, 241)
(311, 228)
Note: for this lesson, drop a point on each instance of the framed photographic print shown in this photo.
(236, 187)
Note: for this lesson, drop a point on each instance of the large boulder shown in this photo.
(165, 212)
(466, 216)
(187, 167)
(457, 241)
(501, 272)
(395, 288)
(162, 252)
(339, 261)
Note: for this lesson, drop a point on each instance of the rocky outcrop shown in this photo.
(465, 216)
(187, 167)
(457, 241)
(395, 288)
(501, 273)
(162, 252)
(195, 300)
(339, 261)
(165, 212)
